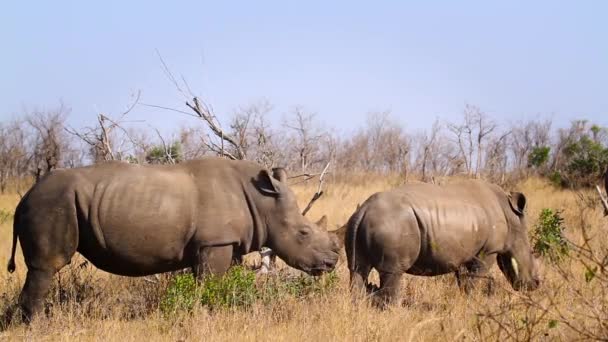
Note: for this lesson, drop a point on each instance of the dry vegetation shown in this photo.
(88, 304)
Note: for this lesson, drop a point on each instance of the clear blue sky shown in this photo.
(340, 59)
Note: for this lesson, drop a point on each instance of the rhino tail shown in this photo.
(353, 228)
(11, 262)
(16, 222)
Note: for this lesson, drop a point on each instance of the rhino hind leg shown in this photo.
(35, 289)
(359, 287)
(388, 294)
(212, 260)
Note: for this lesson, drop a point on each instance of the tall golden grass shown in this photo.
(88, 304)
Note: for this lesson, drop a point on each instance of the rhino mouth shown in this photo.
(327, 266)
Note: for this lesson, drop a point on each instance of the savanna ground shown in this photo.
(88, 304)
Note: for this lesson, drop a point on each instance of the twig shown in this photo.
(604, 201)
(166, 149)
(204, 112)
(319, 192)
(168, 108)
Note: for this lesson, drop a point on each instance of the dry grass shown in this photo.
(88, 304)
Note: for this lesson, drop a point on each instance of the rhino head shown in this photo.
(517, 262)
(302, 244)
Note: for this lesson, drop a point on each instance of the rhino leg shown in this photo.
(212, 260)
(37, 284)
(471, 274)
(46, 250)
(388, 294)
(358, 279)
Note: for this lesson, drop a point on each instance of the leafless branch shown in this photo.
(319, 192)
(204, 112)
(169, 108)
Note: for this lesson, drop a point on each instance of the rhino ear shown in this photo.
(322, 223)
(267, 184)
(517, 201)
(279, 174)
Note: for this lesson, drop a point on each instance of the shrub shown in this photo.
(235, 289)
(539, 156)
(238, 288)
(585, 160)
(556, 179)
(180, 295)
(165, 155)
(548, 236)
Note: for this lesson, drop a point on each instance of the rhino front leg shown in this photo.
(212, 260)
(471, 274)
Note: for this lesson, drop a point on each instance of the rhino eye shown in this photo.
(304, 232)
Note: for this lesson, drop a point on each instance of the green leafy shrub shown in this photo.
(236, 288)
(539, 156)
(239, 288)
(165, 155)
(180, 294)
(556, 179)
(584, 158)
(548, 236)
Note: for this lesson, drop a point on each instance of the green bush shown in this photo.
(556, 179)
(180, 295)
(172, 154)
(548, 236)
(539, 156)
(585, 161)
(239, 288)
(235, 289)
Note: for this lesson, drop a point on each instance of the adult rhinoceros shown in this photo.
(428, 230)
(139, 220)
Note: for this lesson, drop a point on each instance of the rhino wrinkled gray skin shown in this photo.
(136, 220)
(428, 230)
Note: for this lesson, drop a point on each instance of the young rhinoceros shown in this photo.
(428, 230)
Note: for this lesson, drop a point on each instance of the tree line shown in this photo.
(474, 146)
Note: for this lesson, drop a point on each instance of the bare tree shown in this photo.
(496, 161)
(258, 141)
(305, 139)
(193, 147)
(470, 135)
(13, 153)
(428, 146)
(525, 137)
(50, 139)
(464, 140)
(485, 126)
(381, 146)
(103, 140)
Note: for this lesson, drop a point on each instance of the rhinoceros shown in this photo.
(428, 230)
(134, 220)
